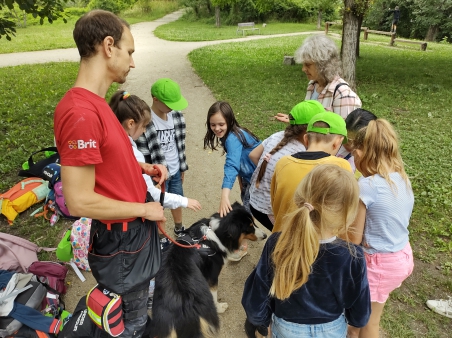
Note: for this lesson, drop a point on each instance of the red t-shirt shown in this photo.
(88, 133)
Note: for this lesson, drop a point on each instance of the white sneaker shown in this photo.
(441, 306)
(239, 254)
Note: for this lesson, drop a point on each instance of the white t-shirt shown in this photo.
(260, 197)
(167, 139)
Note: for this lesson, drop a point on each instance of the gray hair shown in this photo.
(322, 51)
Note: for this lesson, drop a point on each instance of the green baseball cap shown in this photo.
(335, 121)
(168, 92)
(303, 112)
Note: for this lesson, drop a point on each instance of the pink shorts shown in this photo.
(387, 271)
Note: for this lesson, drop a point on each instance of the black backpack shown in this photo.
(31, 168)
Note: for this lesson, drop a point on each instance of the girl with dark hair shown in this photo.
(237, 142)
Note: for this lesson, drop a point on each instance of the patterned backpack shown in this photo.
(80, 242)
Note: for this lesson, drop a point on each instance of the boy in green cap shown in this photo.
(163, 142)
(326, 133)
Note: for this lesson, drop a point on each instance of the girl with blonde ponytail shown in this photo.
(309, 282)
(265, 156)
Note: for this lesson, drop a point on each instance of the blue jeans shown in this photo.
(174, 184)
(335, 329)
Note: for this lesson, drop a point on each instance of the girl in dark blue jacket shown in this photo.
(309, 282)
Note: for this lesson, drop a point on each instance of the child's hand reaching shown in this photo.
(193, 204)
(225, 205)
(158, 172)
(282, 117)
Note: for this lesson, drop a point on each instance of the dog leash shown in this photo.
(162, 198)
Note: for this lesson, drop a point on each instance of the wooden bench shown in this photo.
(367, 31)
(246, 26)
(421, 43)
(329, 23)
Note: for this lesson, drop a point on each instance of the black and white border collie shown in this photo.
(185, 298)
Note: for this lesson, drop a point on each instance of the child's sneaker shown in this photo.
(441, 306)
(240, 253)
(178, 230)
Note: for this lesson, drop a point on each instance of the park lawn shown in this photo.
(186, 30)
(408, 87)
(59, 34)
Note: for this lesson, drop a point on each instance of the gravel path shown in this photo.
(156, 58)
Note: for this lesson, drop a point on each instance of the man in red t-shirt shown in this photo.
(101, 177)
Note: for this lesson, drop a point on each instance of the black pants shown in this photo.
(262, 218)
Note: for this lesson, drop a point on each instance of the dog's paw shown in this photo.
(221, 307)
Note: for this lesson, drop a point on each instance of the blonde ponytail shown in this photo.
(326, 203)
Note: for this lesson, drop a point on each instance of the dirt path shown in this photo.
(156, 58)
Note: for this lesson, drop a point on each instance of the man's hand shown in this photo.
(154, 212)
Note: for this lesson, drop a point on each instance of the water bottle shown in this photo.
(54, 218)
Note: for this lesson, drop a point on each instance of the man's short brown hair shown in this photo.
(93, 27)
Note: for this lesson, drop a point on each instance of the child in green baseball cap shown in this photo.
(266, 155)
(163, 142)
(325, 134)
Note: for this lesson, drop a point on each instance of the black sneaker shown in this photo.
(164, 243)
(177, 231)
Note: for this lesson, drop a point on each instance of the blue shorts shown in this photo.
(283, 329)
(174, 184)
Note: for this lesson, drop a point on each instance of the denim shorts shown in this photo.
(174, 184)
(283, 329)
(387, 271)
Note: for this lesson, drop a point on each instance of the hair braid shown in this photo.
(291, 132)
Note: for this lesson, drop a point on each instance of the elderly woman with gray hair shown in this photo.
(322, 65)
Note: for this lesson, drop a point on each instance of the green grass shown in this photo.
(185, 30)
(26, 125)
(408, 87)
(59, 34)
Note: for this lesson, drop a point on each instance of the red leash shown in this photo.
(162, 196)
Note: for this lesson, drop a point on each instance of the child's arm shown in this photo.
(172, 201)
(231, 170)
(256, 154)
(356, 230)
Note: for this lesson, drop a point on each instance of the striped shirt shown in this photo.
(344, 102)
(389, 209)
(260, 197)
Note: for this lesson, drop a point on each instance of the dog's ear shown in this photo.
(236, 205)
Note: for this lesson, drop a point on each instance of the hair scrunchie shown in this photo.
(124, 96)
(309, 206)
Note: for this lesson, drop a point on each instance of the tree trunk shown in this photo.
(348, 48)
(319, 19)
(360, 23)
(432, 32)
(217, 16)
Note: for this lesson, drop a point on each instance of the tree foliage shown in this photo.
(49, 10)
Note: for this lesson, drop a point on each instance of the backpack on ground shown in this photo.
(55, 202)
(33, 168)
(22, 196)
(17, 254)
(21, 305)
(80, 242)
(52, 274)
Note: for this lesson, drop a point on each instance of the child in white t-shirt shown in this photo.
(163, 141)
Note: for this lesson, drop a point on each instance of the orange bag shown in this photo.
(22, 196)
